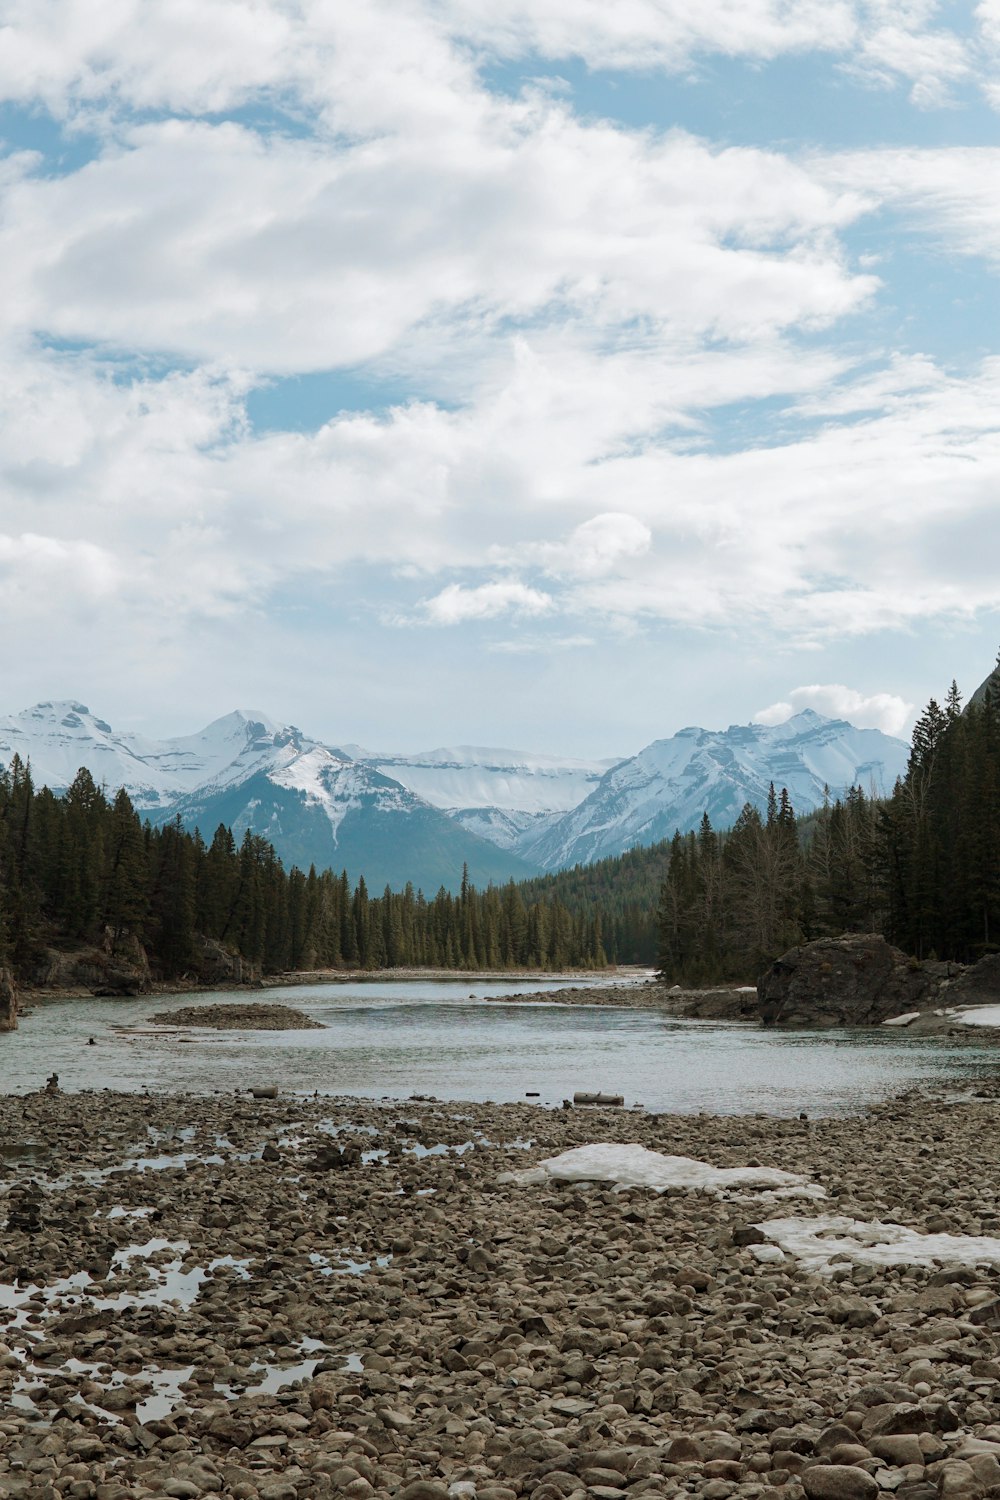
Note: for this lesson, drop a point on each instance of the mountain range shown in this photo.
(420, 817)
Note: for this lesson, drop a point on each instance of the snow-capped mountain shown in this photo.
(421, 817)
(60, 737)
(673, 782)
(505, 796)
(315, 805)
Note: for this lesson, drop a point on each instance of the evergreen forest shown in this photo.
(81, 869)
(921, 866)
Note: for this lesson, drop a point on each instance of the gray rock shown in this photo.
(856, 980)
(838, 1482)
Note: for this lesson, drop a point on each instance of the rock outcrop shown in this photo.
(216, 964)
(114, 968)
(855, 980)
(8, 1001)
(978, 985)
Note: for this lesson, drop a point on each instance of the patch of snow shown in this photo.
(340, 787)
(904, 1020)
(817, 1242)
(635, 1166)
(976, 1015)
(770, 1255)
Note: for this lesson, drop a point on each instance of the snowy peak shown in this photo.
(315, 804)
(466, 777)
(232, 748)
(419, 816)
(669, 786)
(60, 737)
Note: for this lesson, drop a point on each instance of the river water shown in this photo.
(397, 1038)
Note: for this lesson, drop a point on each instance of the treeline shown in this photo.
(624, 889)
(80, 869)
(921, 866)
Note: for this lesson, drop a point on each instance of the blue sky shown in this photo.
(541, 375)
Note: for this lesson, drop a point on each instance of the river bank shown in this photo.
(307, 1298)
(293, 979)
(644, 992)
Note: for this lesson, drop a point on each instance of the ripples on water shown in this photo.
(441, 1038)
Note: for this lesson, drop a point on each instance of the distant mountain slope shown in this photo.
(507, 797)
(349, 817)
(60, 737)
(315, 805)
(992, 681)
(670, 784)
(392, 818)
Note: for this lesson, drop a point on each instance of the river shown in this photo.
(400, 1037)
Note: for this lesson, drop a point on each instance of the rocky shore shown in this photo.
(855, 980)
(724, 1002)
(286, 1299)
(253, 1016)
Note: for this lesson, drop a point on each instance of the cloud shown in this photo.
(199, 517)
(884, 711)
(632, 404)
(456, 605)
(947, 194)
(210, 244)
(367, 61)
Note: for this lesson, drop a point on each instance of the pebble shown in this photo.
(408, 1327)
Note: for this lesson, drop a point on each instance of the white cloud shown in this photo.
(883, 711)
(175, 55)
(585, 301)
(198, 517)
(205, 242)
(948, 194)
(455, 605)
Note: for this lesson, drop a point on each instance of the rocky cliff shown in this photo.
(855, 980)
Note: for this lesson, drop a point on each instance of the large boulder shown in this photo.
(978, 985)
(217, 965)
(8, 1001)
(855, 980)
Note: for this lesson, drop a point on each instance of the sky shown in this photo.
(551, 375)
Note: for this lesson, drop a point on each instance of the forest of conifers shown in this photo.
(921, 866)
(79, 869)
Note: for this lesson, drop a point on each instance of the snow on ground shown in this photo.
(815, 1243)
(976, 1015)
(906, 1020)
(635, 1166)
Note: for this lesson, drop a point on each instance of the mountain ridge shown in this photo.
(421, 816)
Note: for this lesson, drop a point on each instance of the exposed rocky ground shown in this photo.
(364, 1306)
(253, 1016)
(727, 1002)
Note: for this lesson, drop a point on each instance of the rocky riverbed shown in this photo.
(300, 1298)
(721, 1003)
(253, 1016)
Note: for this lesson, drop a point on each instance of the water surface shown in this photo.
(401, 1037)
